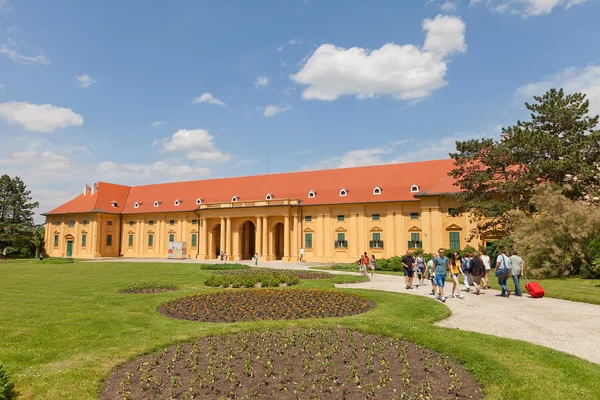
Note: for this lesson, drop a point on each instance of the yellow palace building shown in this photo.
(330, 215)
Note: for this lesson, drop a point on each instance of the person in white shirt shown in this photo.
(301, 253)
(485, 259)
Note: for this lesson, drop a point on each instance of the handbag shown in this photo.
(504, 269)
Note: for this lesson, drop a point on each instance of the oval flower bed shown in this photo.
(293, 364)
(259, 279)
(265, 304)
(148, 287)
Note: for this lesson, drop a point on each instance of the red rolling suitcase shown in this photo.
(535, 289)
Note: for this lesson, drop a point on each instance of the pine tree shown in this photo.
(16, 216)
(558, 146)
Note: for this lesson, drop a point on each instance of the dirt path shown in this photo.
(559, 324)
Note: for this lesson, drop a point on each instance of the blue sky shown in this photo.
(150, 91)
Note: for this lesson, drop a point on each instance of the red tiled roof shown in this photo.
(395, 181)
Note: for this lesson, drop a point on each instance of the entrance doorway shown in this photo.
(216, 241)
(69, 248)
(278, 245)
(247, 243)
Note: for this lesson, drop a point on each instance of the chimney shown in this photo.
(94, 188)
(85, 189)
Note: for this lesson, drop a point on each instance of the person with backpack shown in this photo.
(477, 270)
(465, 265)
(503, 266)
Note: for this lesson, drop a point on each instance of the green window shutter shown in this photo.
(455, 240)
(171, 237)
(109, 240)
(150, 240)
(130, 241)
(194, 239)
(83, 240)
(415, 236)
(308, 240)
(376, 236)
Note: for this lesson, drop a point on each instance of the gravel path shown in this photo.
(559, 324)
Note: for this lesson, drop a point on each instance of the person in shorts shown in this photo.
(4, 255)
(477, 270)
(431, 275)
(485, 259)
(441, 265)
(408, 261)
(420, 269)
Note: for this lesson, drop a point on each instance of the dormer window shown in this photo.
(137, 204)
(157, 203)
(376, 190)
(177, 202)
(114, 203)
(269, 196)
(414, 189)
(343, 192)
(198, 201)
(235, 199)
(312, 194)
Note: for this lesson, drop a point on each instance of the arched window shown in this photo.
(136, 204)
(234, 199)
(269, 196)
(376, 190)
(157, 203)
(343, 192)
(312, 194)
(177, 202)
(414, 188)
(198, 201)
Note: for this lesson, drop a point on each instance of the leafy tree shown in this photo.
(556, 242)
(16, 216)
(558, 146)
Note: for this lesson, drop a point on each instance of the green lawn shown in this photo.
(64, 327)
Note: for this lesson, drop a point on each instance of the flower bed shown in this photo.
(272, 279)
(265, 304)
(293, 364)
(148, 287)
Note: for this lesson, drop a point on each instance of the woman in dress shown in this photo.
(456, 270)
(373, 263)
(485, 259)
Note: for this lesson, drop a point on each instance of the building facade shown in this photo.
(334, 215)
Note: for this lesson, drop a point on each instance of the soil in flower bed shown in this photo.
(293, 364)
(148, 287)
(301, 274)
(265, 304)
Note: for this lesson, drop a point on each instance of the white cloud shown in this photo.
(158, 123)
(10, 29)
(18, 57)
(39, 118)
(261, 81)
(271, 110)
(395, 152)
(304, 152)
(1, 86)
(208, 98)
(85, 81)
(196, 143)
(448, 6)
(526, 8)
(402, 71)
(585, 80)
(280, 48)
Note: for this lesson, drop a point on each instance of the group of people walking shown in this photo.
(475, 270)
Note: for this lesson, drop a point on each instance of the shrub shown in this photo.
(212, 267)
(7, 391)
(148, 287)
(593, 250)
(591, 271)
(270, 279)
(556, 240)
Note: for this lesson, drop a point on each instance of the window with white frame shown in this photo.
(312, 194)
(376, 190)
(343, 192)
